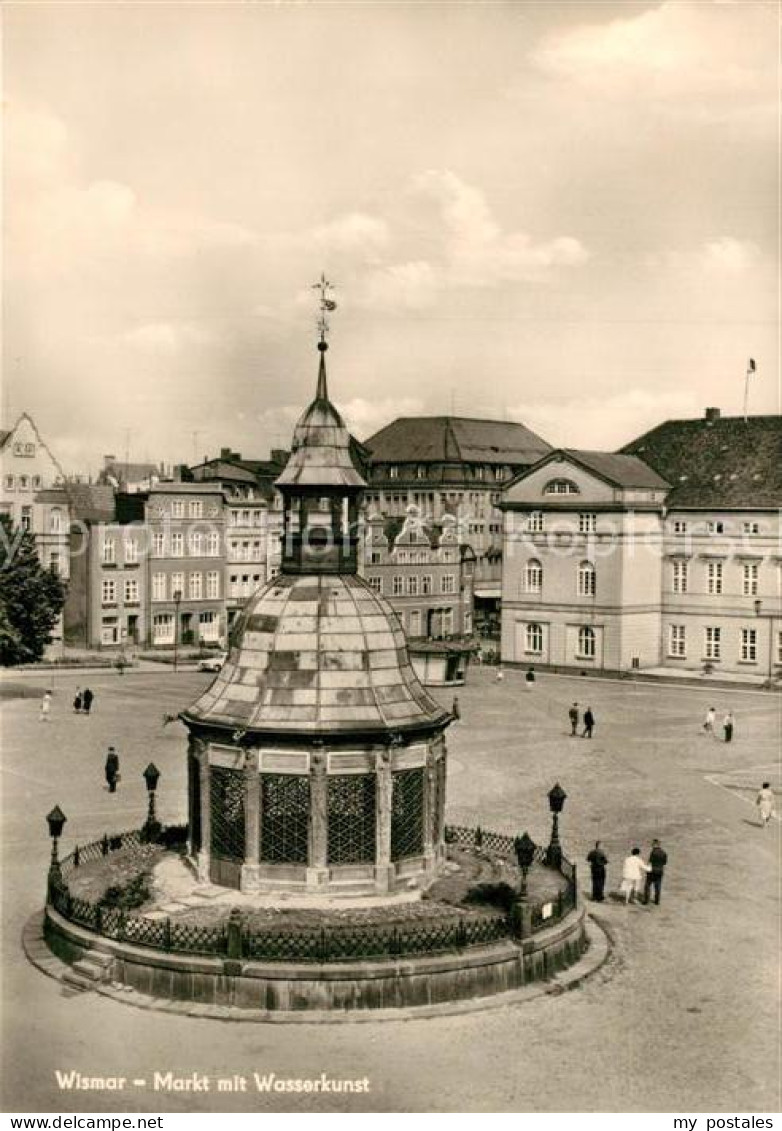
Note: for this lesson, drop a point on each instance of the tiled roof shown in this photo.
(317, 655)
(438, 439)
(91, 502)
(622, 470)
(717, 463)
(4, 434)
(129, 472)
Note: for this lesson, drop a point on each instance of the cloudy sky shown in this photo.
(561, 213)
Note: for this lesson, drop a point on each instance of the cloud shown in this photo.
(167, 337)
(681, 49)
(355, 232)
(476, 250)
(364, 417)
(606, 422)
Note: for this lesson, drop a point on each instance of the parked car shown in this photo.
(212, 663)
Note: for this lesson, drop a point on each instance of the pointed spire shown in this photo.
(322, 392)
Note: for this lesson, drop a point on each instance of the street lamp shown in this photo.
(556, 799)
(758, 612)
(525, 854)
(56, 822)
(152, 826)
(177, 603)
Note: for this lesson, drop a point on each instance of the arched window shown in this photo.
(587, 580)
(561, 487)
(586, 643)
(533, 576)
(534, 639)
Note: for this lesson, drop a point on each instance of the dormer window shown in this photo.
(393, 471)
(561, 487)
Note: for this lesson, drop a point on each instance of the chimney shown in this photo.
(109, 460)
(225, 453)
(712, 414)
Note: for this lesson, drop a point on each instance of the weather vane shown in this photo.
(326, 306)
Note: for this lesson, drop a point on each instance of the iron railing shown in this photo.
(333, 943)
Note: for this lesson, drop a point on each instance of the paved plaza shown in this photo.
(684, 1017)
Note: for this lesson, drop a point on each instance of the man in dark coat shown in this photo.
(87, 699)
(589, 722)
(598, 862)
(573, 716)
(658, 858)
(112, 769)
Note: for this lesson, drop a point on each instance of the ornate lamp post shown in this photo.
(177, 603)
(556, 799)
(525, 854)
(56, 822)
(152, 825)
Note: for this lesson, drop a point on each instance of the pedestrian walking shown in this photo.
(455, 709)
(77, 702)
(112, 769)
(658, 858)
(589, 722)
(765, 803)
(634, 872)
(500, 676)
(727, 726)
(573, 716)
(529, 679)
(46, 706)
(708, 722)
(598, 862)
(87, 699)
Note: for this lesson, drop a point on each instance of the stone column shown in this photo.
(318, 870)
(206, 815)
(442, 776)
(430, 805)
(252, 814)
(384, 869)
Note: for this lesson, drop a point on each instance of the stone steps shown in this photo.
(88, 971)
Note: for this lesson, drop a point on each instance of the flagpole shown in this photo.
(751, 367)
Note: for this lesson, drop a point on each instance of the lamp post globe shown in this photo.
(56, 821)
(556, 801)
(152, 826)
(524, 846)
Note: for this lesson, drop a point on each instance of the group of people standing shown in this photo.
(728, 723)
(589, 721)
(82, 704)
(639, 878)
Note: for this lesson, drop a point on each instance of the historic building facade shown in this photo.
(185, 525)
(452, 466)
(664, 555)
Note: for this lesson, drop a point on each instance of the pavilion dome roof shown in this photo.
(320, 451)
(319, 656)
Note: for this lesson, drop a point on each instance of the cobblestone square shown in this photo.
(683, 1017)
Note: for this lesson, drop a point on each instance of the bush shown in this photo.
(128, 896)
(499, 895)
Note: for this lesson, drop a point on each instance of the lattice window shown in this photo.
(226, 796)
(407, 814)
(351, 812)
(285, 806)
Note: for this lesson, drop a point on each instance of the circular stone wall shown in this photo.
(294, 987)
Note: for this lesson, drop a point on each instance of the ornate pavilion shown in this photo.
(317, 761)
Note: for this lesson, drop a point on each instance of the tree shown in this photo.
(31, 597)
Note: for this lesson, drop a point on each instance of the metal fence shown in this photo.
(333, 943)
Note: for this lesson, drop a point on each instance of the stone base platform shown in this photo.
(297, 988)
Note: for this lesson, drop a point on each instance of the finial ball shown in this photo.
(323, 346)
